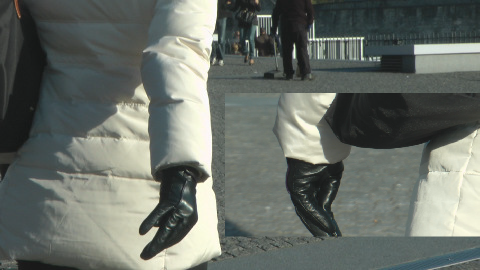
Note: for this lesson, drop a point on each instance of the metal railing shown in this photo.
(265, 21)
(423, 38)
(352, 48)
(337, 48)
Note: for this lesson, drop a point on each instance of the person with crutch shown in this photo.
(296, 18)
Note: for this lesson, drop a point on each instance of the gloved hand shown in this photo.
(175, 214)
(273, 31)
(313, 188)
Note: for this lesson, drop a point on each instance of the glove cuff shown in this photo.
(302, 168)
(190, 172)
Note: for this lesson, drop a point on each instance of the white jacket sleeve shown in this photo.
(174, 72)
(303, 133)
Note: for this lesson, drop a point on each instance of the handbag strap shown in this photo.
(17, 8)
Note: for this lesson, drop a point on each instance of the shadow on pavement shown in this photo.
(231, 229)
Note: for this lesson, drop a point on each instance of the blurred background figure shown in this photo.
(264, 44)
(248, 28)
(218, 49)
(235, 43)
(296, 19)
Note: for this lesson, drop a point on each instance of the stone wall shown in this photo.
(354, 18)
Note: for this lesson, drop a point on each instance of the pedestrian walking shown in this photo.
(296, 19)
(247, 22)
(223, 12)
(116, 172)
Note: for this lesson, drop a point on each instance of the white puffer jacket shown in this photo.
(303, 133)
(124, 94)
(446, 198)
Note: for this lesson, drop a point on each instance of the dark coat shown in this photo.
(293, 11)
(224, 8)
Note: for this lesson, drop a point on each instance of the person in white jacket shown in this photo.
(120, 143)
(445, 200)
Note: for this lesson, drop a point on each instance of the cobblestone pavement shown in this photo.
(234, 247)
(350, 253)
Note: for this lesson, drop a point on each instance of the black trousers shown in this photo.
(29, 265)
(295, 34)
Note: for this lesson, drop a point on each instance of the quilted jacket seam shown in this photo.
(92, 136)
(470, 151)
(117, 177)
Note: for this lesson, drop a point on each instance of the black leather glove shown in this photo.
(313, 188)
(176, 213)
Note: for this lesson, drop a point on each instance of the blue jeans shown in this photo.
(218, 48)
(219, 51)
(248, 33)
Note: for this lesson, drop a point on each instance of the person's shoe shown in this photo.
(251, 62)
(308, 77)
(289, 77)
(245, 59)
(214, 61)
(220, 63)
